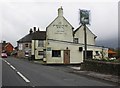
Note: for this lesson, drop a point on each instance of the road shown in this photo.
(17, 72)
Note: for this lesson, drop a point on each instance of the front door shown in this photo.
(66, 56)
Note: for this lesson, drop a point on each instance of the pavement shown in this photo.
(106, 77)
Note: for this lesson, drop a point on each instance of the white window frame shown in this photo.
(76, 40)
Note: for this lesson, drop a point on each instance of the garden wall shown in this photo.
(101, 67)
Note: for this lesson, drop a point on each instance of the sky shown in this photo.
(18, 16)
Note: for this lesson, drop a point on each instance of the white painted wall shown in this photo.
(37, 49)
(75, 55)
(80, 34)
(60, 29)
(33, 47)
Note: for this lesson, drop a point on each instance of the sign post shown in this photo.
(84, 19)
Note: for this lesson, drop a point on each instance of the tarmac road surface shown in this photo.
(17, 72)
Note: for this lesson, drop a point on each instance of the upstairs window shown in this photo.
(75, 40)
(20, 46)
(56, 53)
(40, 43)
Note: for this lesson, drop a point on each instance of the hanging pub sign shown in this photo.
(84, 16)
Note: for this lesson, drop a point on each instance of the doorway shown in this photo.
(66, 56)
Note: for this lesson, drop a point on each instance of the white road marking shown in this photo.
(12, 67)
(4, 60)
(26, 80)
(8, 63)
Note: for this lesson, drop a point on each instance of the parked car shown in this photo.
(26, 54)
(3, 55)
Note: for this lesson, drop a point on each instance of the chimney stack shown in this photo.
(60, 11)
(4, 42)
(34, 29)
(38, 29)
(30, 31)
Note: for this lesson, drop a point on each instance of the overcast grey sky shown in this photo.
(18, 16)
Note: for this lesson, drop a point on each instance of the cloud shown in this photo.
(19, 16)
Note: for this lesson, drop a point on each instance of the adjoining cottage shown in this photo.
(25, 43)
(38, 45)
(61, 44)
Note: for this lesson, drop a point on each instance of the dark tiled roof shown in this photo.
(26, 38)
(38, 35)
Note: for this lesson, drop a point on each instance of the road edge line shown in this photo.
(26, 80)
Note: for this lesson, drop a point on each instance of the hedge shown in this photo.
(101, 67)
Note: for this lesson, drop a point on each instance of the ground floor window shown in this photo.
(40, 53)
(89, 54)
(97, 53)
(56, 53)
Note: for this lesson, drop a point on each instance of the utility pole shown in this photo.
(85, 42)
(84, 20)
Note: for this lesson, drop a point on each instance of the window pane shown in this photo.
(26, 45)
(20, 46)
(40, 43)
(56, 53)
(40, 53)
(97, 53)
(75, 40)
